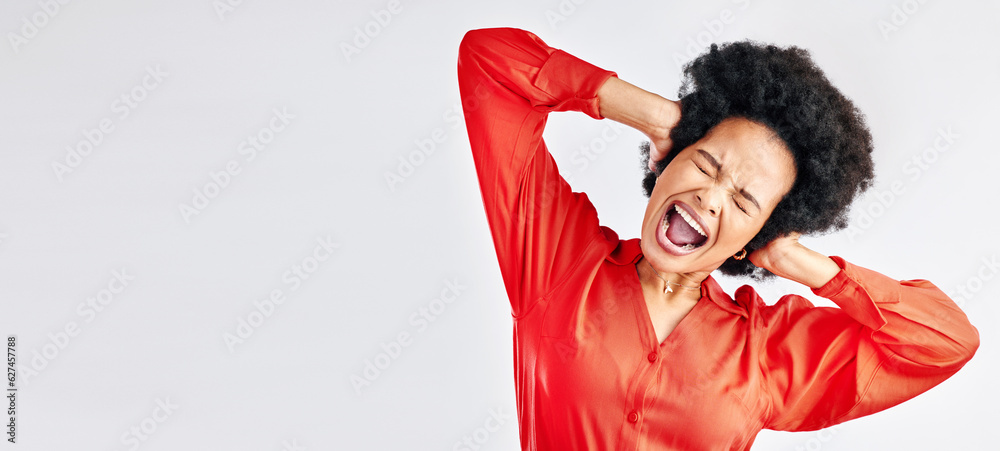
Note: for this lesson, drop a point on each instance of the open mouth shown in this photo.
(681, 229)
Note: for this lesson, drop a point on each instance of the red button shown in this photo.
(633, 417)
(652, 356)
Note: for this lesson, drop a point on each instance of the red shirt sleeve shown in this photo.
(509, 81)
(888, 342)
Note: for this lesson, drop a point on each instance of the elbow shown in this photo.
(958, 338)
(970, 345)
(942, 350)
(473, 42)
(962, 346)
(487, 42)
(469, 41)
(965, 342)
(470, 52)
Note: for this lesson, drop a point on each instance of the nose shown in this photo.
(710, 199)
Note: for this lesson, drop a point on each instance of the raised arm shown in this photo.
(642, 110)
(889, 341)
(509, 81)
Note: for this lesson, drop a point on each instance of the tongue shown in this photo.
(680, 232)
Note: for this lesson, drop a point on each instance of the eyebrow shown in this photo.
(718, 167)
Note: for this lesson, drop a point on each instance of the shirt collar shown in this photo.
(628, 252)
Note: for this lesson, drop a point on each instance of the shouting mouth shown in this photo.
(680, 231)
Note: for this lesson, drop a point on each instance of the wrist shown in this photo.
(667, 115)
(805, 266)
(635, 107)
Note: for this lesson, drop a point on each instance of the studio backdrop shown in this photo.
(256, 225)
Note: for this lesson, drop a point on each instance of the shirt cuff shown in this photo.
(564, 76)
(857, 291)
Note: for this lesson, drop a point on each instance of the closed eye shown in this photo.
(703, 171)
(738, 205)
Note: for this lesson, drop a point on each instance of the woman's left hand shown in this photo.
(770, 256)
(786, 257)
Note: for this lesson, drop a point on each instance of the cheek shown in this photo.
(739, 230)
(665, 185)
(674, 180)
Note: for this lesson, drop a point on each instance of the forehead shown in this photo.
(751, 154)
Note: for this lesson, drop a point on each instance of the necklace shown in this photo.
(666, 287)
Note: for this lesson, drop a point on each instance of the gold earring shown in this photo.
(741, 254)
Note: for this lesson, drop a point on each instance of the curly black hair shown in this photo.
(783, 89)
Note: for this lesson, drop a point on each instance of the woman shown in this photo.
(631, 344)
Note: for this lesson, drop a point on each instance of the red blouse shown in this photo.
(588, 369)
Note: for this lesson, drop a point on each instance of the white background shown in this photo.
(162, 338)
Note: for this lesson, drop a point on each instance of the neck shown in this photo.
(686, 287)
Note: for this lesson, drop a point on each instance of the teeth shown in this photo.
(694, 224)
